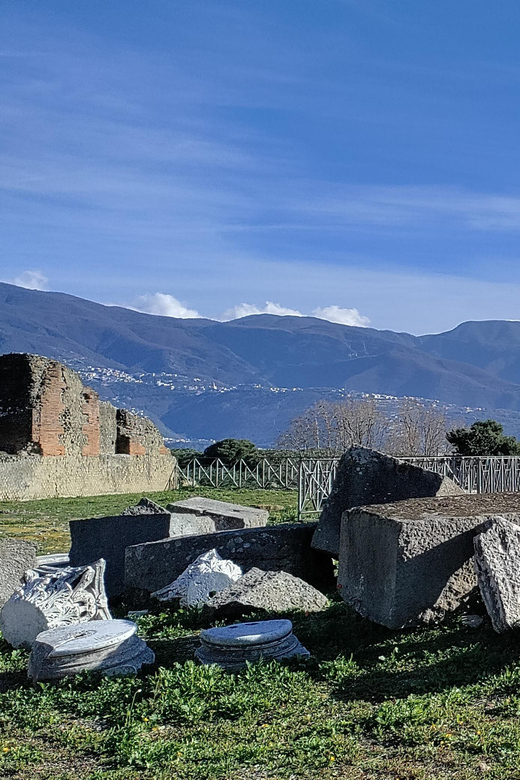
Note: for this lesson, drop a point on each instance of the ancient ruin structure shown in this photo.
(47, 414)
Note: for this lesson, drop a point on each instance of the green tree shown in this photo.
(484, 437)
(231, 450)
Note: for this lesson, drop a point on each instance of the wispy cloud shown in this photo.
(164, 305)
(31, 280)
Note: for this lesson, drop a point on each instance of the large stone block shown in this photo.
(366, 476)
(16, 557)
(497, 563)
(412, 561)
(287, 547)
(108, 538)
(219, 515)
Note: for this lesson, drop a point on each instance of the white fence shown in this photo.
(313, 477)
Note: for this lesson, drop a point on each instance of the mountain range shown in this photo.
(202, 379)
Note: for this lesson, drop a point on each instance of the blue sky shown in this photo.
(355, 159)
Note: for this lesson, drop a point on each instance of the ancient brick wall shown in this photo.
(137, 435)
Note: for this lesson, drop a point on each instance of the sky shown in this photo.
(355, 160)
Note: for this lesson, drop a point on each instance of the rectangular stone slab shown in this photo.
(365, 476)
(222, 515)
(108, 538)
(16, 557)
(286, 547)
(497, 564)
(412, 561)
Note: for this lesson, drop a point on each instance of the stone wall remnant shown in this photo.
(365, 476)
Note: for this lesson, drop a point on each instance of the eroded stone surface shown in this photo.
(412, 561)
(53, 597)
(366, 476)
(145, 507)
(16, 557)
(208, 574)
(497, 564)
(270, 591)
(223, 515)
(231, 647)
(150, 567)
(108, 646)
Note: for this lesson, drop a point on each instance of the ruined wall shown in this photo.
(107, 428)
(24, 477)
(137, 435)
(15, 404)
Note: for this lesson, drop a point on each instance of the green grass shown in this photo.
(47, 522)
(370, 704)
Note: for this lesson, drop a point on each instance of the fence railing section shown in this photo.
(313, 477)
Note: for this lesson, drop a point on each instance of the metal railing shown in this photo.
(313, 477)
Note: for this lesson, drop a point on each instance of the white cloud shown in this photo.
(31, 280)
(342, 316)
(164, 305)
(246, 309)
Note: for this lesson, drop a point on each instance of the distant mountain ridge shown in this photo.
(477, 364)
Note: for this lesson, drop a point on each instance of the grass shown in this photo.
(47, 522)
(369, 704)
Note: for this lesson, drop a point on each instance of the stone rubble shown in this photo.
(54, 597)
(108, 646)
(208, 574)
(268, 591)
(233, 646)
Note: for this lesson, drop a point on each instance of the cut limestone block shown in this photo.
(108, 646)
(366, 476)
(53, 597)
(223, 516)
(412, 561)
(108, 538)
(497, 563)
(232, 647)
(287, 547)
(270, 591)
(208, 574)
(16, 557)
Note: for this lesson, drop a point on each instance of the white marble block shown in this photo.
(51, 597)
(108, 646)
(208, 574)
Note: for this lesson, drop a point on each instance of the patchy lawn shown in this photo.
(47, 522)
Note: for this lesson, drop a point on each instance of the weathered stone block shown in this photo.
(152, 566)
(209, 573)
(220, 515)
(497, 564)
(411, 561)
(269, 591)
(108, 538)
(16, 557)
(366, 476)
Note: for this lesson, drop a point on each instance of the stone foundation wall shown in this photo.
(25, 477)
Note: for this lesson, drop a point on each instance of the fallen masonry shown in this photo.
(365, 476)
(287, 547)
(269, 591)
(232, 647)
(208, 574)
(108, 646)
(411, 561)
(145, 507)
(54, 597)
(497, 563)
(16, 557)
(108, 538)
(208, 515)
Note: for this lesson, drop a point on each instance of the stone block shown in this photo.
(145, 507)
(366, 476)
(497, 564)
(209, 573)
(219, 515)
(108, 538)
(51, 597)
(108, 646)
(268, 591)
(16, 557)
(287, 547)
(412, 561)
